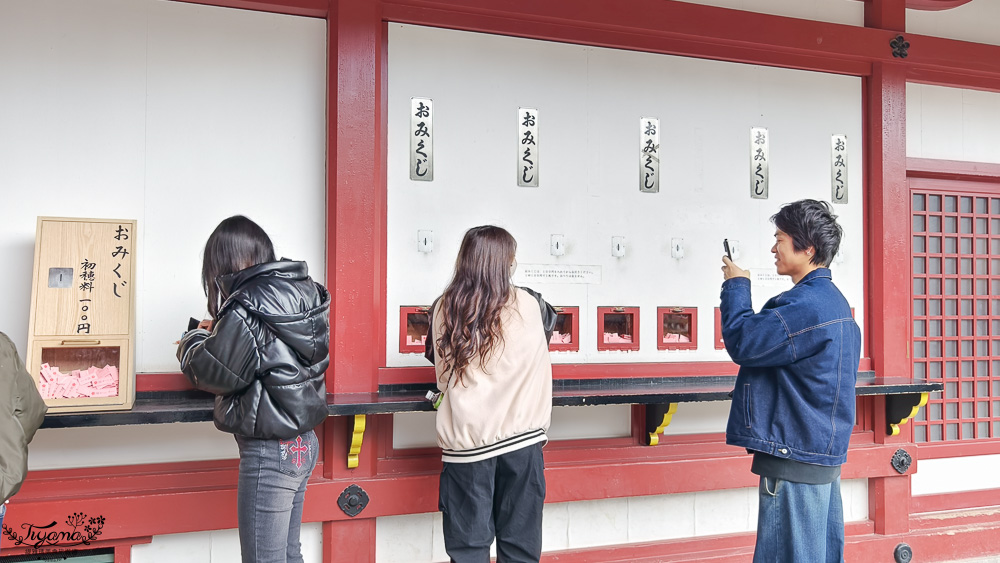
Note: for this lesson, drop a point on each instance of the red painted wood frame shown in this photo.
(956, 262)
(568, 319)
(624, 321)
(976, 180)
(688, 316)
(411, 319)
(356, 216)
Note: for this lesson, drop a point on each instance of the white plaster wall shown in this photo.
(174, 114)
(59, 448)
(698, 418)
(416, 429)
(975, 21)
(936, 476)
(850, 12)
(221, 546)
(418, 538)
(589, 103)
(952, 123)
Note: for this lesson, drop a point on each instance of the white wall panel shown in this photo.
(937, 476)
(975, 21)
(95, 446)
(174, 114)
(952, 123)
(417, 430)
(177, 115)
(589, 103)
(698, 418)
(218, 546)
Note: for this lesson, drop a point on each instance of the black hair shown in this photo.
(811, 223)
(236, 244)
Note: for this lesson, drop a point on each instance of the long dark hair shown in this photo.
(472, 302)
(236, 244)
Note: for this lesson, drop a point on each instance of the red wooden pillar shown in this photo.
(355, 194)
(355, 246)
(889, 237)
(123, 553)
(886, 14)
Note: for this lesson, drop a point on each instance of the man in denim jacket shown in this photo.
(793, 406)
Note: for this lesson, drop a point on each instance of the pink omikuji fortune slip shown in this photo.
(91, 382)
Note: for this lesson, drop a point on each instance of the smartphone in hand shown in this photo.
(193, 323)
(725, 244)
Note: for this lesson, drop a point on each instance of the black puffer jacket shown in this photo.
(267, 353)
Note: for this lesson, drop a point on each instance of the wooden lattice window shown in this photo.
(955, 258)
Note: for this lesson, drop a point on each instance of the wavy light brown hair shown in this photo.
(471, 304)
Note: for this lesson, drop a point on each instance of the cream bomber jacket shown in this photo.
(505, 404)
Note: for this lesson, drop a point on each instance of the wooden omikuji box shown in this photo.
(81, 337)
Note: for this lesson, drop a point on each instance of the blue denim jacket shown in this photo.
(798, 359)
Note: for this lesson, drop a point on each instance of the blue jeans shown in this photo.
(272, 486)
(798, 522)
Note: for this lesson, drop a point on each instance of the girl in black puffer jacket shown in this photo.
(264, 354)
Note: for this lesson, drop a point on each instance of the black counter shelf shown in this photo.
(196, 406)
(904, 398)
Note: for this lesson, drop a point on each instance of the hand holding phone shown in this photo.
(193, 323)
(729, 269)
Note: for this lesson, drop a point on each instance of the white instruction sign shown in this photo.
(527, 274)
(763, 277)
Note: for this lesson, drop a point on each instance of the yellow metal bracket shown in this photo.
(356, 437)
(658, 417)
(899, 409)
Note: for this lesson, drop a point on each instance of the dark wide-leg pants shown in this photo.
(499, 497)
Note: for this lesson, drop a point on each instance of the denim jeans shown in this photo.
(272, 486)
(498, 497)
(3, 510)
(799, 522)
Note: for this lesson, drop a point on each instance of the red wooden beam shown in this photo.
(311, 8)
(136, 500)
(719, 33)
(957, 501)
(953, 170)
(964, 448)
(949, 62)
(664, 27)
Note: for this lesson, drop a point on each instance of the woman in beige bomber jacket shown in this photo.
(489, 344)
(21, 413)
